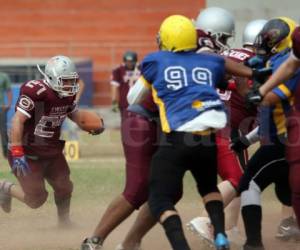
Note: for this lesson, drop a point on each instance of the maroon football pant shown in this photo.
(54, 170)
(228, 165)
(293, 158)
(140, 141)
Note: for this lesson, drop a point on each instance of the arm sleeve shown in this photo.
(285, 90)
(139, 90)
(26, 102)
(143, 85)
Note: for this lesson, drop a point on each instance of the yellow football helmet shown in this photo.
(177, 33)
(275, 36)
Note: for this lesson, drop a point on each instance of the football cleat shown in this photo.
(93, 243)
(288, 229)
(201, 226)
(221, 242)
(5, 197)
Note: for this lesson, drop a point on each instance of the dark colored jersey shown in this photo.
(237, 107)
(124, 79)
(46, 111)
(183, 85)
(296, 42)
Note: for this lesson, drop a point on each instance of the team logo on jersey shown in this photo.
(26, 103)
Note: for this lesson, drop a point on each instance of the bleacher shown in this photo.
(100, 30)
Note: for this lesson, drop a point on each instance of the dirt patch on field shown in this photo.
(26, 229)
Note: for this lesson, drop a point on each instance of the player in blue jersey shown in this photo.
(268, 164)
(183, 86)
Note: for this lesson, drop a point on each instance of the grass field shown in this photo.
(98, 176)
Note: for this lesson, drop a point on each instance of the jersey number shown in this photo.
(47, 124)
(176, 77)
(34, 83)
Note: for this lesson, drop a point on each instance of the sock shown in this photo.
(63, 209)
(252, 216)
(216, 214)
(174, 232)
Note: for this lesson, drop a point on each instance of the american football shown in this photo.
(89, 121)
(116, 115)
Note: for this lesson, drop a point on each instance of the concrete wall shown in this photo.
(245, 11)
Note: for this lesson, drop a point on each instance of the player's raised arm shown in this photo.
(282, 74)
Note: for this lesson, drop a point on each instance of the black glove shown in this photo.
(261, 75)
(256, 62)
(253, 97)
(239, 144)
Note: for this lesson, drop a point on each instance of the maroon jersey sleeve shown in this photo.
(296, 42)
(30, 93)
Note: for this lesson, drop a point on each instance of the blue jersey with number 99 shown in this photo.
(183, 84)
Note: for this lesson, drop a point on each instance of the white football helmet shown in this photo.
(61, 75)
(251, 31)
(218, 23)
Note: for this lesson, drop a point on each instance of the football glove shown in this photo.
(256, 62)
(115, 106)
(239, 144)
(261, 75)
(253, 97)
(19, 163)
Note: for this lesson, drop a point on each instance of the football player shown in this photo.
(287, 70)
(268, 164)
(122, 78)
(139, 138)
(35, 151)
(213, 35)
(177, 40)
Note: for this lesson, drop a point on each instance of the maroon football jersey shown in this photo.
(296, 42)
(124, 79)
(238, 111)
(46, 111)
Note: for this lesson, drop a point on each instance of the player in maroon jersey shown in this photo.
(140, 135)
(212, 33)
(122, 78)
(283, 73)
(35, 151)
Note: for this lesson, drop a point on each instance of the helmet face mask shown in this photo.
(275, 36)
(130, 59)
(60, 74)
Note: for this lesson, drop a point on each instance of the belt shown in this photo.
(205, 132)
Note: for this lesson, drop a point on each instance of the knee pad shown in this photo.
(251, 196)
(36, 200)
(158, 205)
